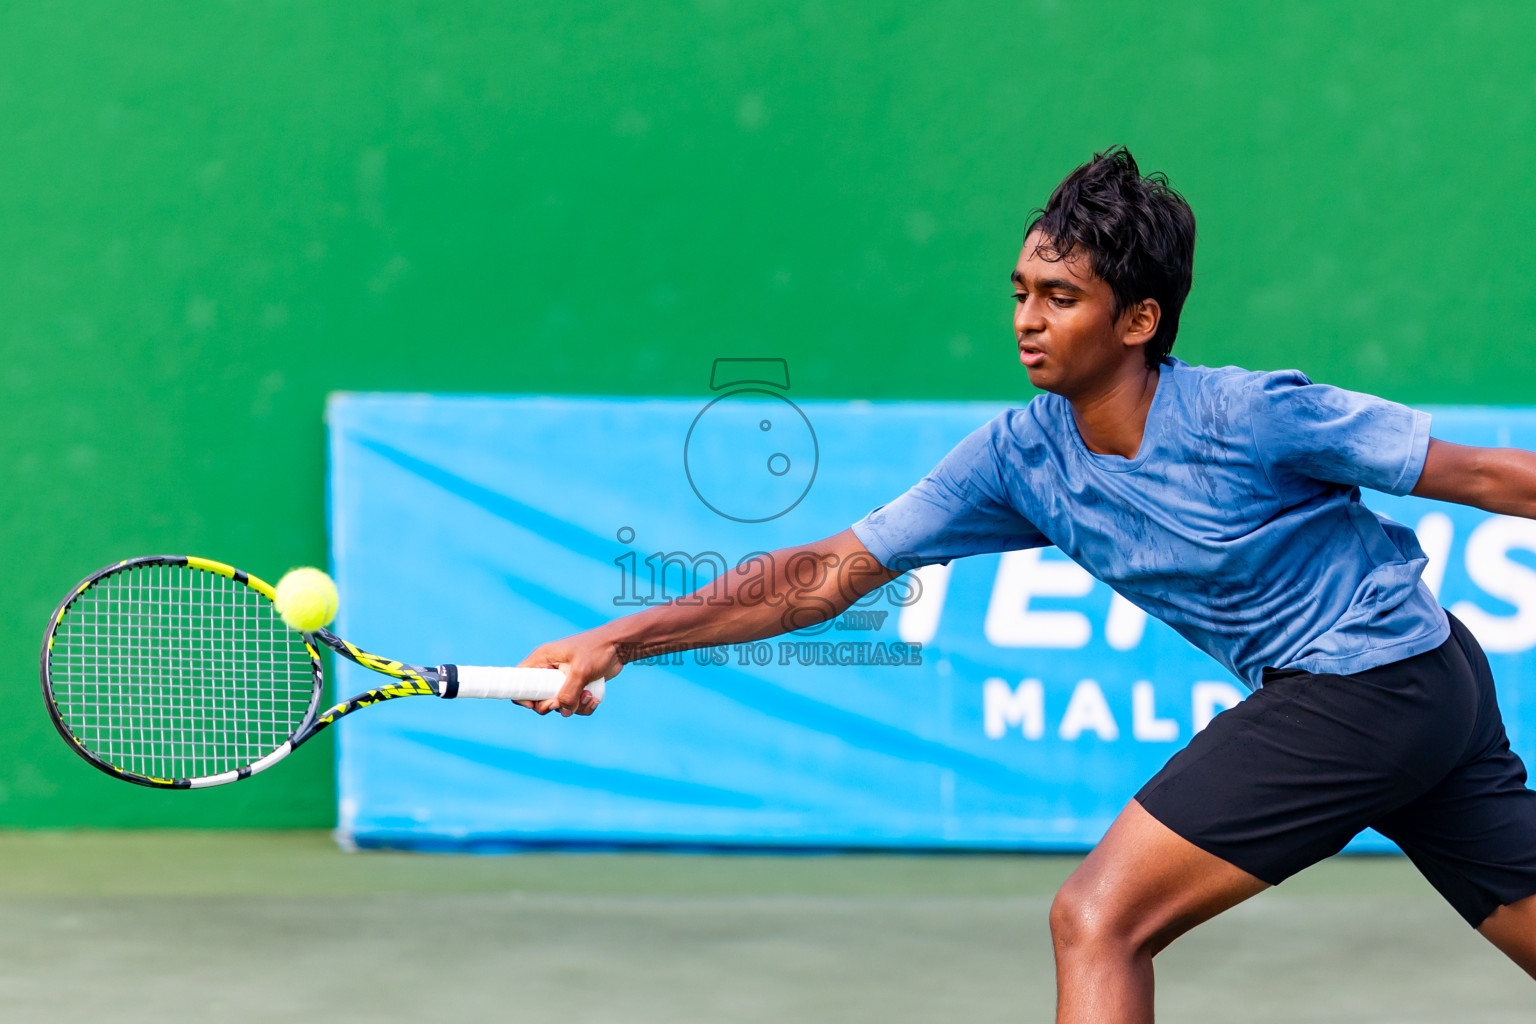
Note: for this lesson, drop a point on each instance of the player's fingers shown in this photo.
(542, 707)
(586, 705)
(569, 697)
(573, 695)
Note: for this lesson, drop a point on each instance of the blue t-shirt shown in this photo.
(1238, 522)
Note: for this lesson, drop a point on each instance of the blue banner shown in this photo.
(1005, 701)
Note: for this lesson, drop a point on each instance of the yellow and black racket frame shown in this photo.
(410, 680)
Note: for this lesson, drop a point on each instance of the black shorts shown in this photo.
(1415, 749)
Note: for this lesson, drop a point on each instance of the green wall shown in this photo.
(212, 214)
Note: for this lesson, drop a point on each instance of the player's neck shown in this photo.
(1112, 417)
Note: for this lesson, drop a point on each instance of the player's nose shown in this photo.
(1027, 318)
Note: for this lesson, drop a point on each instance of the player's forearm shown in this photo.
(1510, 482)
(678, 627)
(771, 594)
(1501, 480)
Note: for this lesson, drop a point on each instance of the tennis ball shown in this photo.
(306, 599)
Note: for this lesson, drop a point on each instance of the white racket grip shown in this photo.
(497, 683)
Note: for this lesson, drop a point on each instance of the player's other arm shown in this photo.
(1499, 480)
(771, 594)
(1345, 437)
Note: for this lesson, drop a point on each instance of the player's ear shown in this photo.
(1141, 320)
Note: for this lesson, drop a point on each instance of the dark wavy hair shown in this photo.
(1137, 232)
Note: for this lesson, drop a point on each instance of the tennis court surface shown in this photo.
(281, 926)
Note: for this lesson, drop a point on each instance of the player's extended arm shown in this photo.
(771, 594)
(1499, 480)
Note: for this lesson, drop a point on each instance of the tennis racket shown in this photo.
(177, 672)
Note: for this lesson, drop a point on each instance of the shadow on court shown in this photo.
(196, 926)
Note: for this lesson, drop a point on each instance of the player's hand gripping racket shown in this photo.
(177, 672)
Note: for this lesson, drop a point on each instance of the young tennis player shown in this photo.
(1227, 504)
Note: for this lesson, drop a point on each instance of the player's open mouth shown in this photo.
(1030, 357)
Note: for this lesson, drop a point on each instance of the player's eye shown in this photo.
(1063, 301)
(1019, 296)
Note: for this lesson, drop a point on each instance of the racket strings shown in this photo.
(177, 673)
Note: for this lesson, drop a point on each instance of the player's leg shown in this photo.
(1512, 929)
(1142, 887)
(1473, 833)
(1271, 786)
(1479, 850)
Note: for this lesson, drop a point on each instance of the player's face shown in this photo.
(1064, 319)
